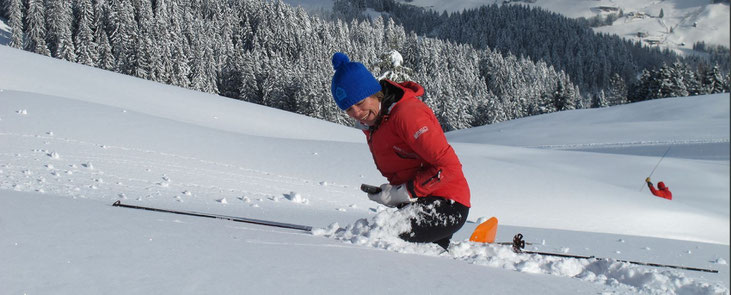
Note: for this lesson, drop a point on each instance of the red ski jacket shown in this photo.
(662, 191)
(409, 146)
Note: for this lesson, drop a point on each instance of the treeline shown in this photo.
(593, 61)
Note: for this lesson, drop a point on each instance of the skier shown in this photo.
(661, 191)
(409, 149)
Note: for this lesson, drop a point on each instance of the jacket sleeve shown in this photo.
(420, 129)
(652, 189)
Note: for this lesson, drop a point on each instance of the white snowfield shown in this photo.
(74, 139)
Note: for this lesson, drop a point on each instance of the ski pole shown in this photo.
(519, 245)
(224, 217)
(658, 164)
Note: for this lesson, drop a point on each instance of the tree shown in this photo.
(564, 97)
(123, 37)
(392, 68)
(600, 100)
(58, 23)
(87, 51)
(35, 27)
(15, 20)
(713, 81)
(394, 35)
(617, 93)
(105, 57)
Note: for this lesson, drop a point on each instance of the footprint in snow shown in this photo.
(296, 198)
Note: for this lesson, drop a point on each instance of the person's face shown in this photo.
(366, 111)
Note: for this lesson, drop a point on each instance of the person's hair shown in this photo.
(380, 95)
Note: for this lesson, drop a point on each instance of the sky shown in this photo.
(74, 139)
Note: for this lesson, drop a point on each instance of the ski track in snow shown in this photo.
(77, 168)
(381, 232)
(627, 144)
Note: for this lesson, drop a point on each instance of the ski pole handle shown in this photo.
(370, 189)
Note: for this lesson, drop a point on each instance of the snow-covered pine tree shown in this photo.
(106, 59)
(679, 74)
(161, 66)
(713, 81)
(565, 96)
(617, 90)
(179, 45)
(395, 36)
(35, 28)
(123, 37)
(14, 11)
(600, 100)
(145, 51)
(392, 68)
(58, 24)
(203, 71)
(249, 68)
(86, 48)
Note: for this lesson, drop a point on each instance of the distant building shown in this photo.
(608, 8)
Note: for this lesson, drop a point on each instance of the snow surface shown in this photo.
(74, 139)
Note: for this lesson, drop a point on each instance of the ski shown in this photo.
(224, 217)
(519, 245)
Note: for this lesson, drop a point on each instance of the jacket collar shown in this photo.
(393, 94)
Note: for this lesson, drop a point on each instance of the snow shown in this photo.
(574, 188)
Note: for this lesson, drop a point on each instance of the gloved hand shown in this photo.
(391, 195)
(647, 180)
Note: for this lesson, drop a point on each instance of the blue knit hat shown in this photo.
(352, 82)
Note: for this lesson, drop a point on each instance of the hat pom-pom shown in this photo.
(339, 59)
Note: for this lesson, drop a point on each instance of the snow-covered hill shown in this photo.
(74, 139)
(683, 22)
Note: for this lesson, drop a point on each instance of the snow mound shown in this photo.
(383, 230)
(296, 198)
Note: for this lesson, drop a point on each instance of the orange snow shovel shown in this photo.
(485, 232)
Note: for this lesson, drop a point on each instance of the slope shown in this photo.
(74, 139)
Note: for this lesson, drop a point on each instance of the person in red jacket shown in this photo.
(409, 148)
(661, 191)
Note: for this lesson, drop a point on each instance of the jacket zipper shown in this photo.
(437, 176)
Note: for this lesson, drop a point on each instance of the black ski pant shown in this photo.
(436, 221)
